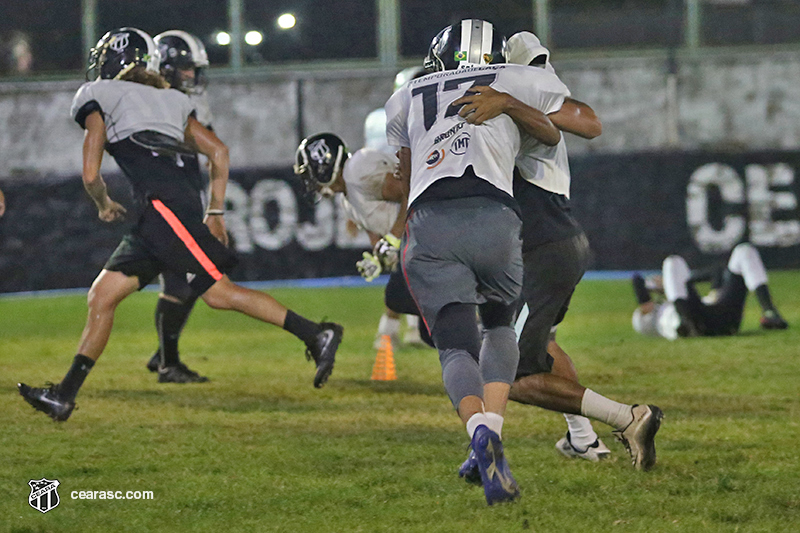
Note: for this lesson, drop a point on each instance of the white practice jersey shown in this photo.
(420, 117)
(129, 107)
(545, 166)
(363, 176)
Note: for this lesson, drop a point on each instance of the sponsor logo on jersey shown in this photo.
(43, 496)
(460, 55)
(460, 144)
(435, 158)
(119, 41)
(449, 133)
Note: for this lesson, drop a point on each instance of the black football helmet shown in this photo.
(319, 161)
(470, 42)
(181, 50)
(118, 51)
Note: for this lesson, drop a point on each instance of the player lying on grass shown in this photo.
(149, 129)
(686, 314)
(555, 254)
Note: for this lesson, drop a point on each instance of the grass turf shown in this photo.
(259, 449)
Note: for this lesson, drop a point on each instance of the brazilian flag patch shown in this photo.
(460, 56)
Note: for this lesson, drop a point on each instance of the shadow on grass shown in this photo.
(394, 387)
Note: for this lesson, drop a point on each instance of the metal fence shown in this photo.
(52, 36)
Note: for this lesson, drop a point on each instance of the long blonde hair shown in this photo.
(139, 74)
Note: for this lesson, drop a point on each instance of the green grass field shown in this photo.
(259, 449)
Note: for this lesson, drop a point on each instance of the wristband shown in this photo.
(215, 211)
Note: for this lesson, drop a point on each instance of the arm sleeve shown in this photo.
(84, 104)
(397, 119)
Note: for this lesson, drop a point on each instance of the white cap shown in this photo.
(524, 47)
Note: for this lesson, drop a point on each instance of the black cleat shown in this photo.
(323, 351)
(152, 364)
(179, 373)
(47, 401)
(773, 320)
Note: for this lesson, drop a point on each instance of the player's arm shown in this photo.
(94, 141)
(2, 204)
(484, 103)
(394, 190)
(207, 143)
(577, 118)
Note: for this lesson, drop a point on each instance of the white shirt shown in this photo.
(443, 144)
(363, 175)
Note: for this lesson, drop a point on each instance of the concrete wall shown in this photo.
(729, 99)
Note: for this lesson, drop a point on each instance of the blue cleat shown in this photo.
(469, 470)
(498, 483)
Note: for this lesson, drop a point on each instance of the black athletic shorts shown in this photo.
(724, 317)
(166, 240)
(551, 273)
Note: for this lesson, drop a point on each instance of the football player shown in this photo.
(462, 248)
(686, 314)
(372, 196)
(375, 138)
(148, 129)
(183, 64)
(555, 256)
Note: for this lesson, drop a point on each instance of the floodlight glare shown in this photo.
(223, 38)
(253, 37)
(286, 21)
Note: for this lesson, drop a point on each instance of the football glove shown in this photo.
(369, 267)
(387, 251)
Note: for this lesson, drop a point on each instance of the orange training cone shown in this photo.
(383, 369)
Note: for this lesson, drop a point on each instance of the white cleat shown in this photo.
(595, 452)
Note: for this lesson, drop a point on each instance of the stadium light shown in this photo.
(253, 37)
(223, 38)
(286, 21)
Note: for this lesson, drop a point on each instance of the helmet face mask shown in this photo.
(469, 43)
(318, 162)
(120, 50)
(181, 52)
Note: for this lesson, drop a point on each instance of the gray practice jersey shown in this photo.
(363, 176)
(128, 107)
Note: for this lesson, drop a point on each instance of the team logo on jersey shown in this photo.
(435, 158)
(460, 144)
(318, 151)
(460, 56)
(487, 58)
(119, 42)
(44, 495)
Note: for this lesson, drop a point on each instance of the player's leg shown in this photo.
(389, 325)
(175, 304)
(745, 261)
(108, 290)
(679, 291)
(321, 339)
(398, 299)
(443, 284)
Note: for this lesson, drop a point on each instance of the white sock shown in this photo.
(581, 432)
(478, 419)
(495, 423)
(389, 326)
(412, 321)
(615, 414)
